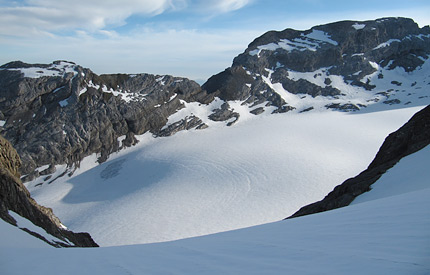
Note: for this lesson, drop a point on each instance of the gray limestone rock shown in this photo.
(343, 107)
(224, 113)
(62, 112)
(257, 111)
(187, 123)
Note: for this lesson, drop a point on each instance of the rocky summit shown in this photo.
(60, 113)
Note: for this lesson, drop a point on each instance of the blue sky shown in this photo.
(191, 38)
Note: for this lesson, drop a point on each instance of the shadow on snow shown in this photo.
(117, 178)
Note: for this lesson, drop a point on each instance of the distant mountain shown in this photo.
(19, 209)
(60, 113)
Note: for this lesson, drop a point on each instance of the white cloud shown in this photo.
(53, 16)
(223, 6)
(40, 16)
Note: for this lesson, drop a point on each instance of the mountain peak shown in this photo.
(353, 64)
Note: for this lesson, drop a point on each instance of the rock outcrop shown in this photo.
(60, 113)
(410, 138)
(15, 197)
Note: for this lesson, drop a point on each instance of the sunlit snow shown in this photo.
(387, 43)
(320, 36)
(358, 26)
(310, 42)
(259, 170)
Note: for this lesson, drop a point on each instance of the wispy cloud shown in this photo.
(223, 6)
(34, 17)
(54, 15)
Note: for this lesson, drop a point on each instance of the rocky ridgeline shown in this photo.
(60, 113)
(350, 64)
(15, 197)
(410, 138)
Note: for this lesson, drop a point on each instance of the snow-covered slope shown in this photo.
(260, 170)
(382, 233)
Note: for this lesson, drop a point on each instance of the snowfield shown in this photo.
(382, 233)
(260, 170)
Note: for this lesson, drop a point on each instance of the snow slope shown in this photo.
(388, 234)
(260, 170)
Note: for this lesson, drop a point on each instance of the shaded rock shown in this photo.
(392, 101)
(343, 107)
(185, 124)
(284, 109)
(307, 110)
(230, 84)
(51, 169)
(224, 113)
(257, 111)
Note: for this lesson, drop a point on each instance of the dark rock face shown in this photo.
(224, 113)
(410, 138)
(15, 197)
(191, 122)
(349, 49)
(59, 113)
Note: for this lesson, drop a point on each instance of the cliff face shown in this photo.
(15, 197)
(410, 138)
